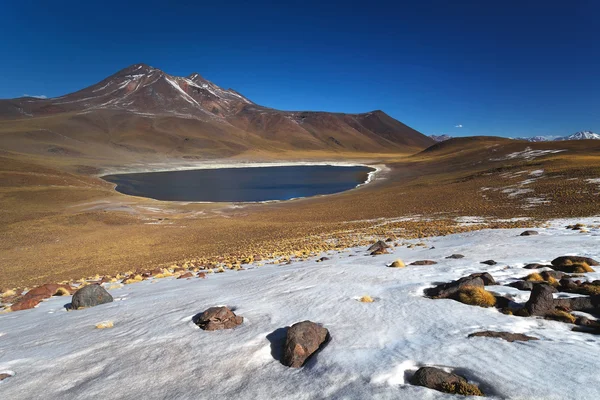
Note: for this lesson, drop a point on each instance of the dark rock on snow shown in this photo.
(446, 290)
(302, 340)
(423, 262)
(536, 266)
(489, 262)
(455, 256)
(90, 296)
(438, 379)
(541, 301)
(216, 318)
(508, 336)
(485, 276)
(522, 285)
(569, 260)
(529, 233)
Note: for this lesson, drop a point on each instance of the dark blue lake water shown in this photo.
(241, 184)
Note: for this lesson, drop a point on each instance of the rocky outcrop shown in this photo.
(217, 318)
(90, 296)
(303, 339)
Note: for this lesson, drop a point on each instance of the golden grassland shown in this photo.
(59, 221)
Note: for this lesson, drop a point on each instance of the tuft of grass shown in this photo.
(104, 325)
(535, 277)
(397, 264)
(62, 292)
(476, 296)
(8, 293)
(463, 388)
(562, 316)
(366, 299)
(220, 270)
(589, 289)
(553, 281)
(581, 268)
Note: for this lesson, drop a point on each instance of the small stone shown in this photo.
(186, 275)
(529, 233)
(423, 262)
(440, 380)
(489, 262)
(455, 256)
(217, 318)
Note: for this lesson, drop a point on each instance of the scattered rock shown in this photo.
(323, 259)
(397, 264)
(546, 275)
(186, 275)
(423, 262)
(216, 318)
(508, 336)
(26, 304)
(90, 296)
(489, 262)
(541, 301)
(3, 376)
(589, 304)
(202, 275)
(446, 290)
(488, 279)
(303, 339)
(529, 233)
(379, 251)
(455, 256)
(438, 379)
(522, 285)
(536, 266)
(379, 245)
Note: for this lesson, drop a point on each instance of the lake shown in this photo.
(247, 184)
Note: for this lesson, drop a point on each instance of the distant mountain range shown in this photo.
(583, 135)
(144, 110)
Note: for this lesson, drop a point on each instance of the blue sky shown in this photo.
(508, 68)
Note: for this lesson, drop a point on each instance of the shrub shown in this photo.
(476, 296)
(366, 299)
(464, 388)
(562, 316)
(104, 325)
(62, 292)
(535, 277)
(581, 268)
(397, 264)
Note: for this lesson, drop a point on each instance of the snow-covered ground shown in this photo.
(154, 351)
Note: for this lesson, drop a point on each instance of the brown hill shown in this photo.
(141, 109)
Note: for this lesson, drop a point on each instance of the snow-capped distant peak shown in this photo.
(583, 135)
(440, 138)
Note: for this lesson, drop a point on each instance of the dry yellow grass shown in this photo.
(562, 316)
(62, 292)
(8, 293)
(535, 277)
(366, 299)
(476, 296)
(462, 388)
(581, 268)
(104, 325)
(397, 264)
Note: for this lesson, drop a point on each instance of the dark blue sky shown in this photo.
(510, 68)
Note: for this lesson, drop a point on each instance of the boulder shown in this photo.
(489, 262)
(570, 260)
(302, 340)
(508, 336)
(455, 256)
(522, 285)
(3, 376)
(486, 277)
(446, 290)
(552, 274)
(529, 233)
(216, 318)
(423, 262)
(541, 301)
(587, 304)
(90, 296)
(202, 275)
(438, 379)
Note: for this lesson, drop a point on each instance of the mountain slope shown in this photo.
(143, 109)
